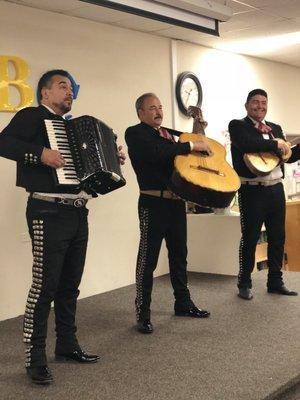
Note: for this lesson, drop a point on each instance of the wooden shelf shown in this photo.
(292, 228)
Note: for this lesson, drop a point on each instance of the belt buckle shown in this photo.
(79, 203)
(62, 201)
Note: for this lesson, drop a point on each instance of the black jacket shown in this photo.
(23, 141)
(246, 139)
(152, 156)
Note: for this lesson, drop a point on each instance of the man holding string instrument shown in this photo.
(261, 196)
(162, 215)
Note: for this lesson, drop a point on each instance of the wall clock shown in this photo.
(188, 91)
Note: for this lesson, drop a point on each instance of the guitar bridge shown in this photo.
(206, 169)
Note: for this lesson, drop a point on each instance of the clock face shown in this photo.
(188, 91)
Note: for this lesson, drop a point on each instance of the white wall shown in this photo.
(114, 66)
(226, 79)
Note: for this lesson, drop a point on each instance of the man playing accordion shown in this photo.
(58, 226)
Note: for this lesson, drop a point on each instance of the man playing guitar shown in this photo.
(261, 197)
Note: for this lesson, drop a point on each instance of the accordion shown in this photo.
(89, 148)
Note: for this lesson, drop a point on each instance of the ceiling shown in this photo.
(269, 29)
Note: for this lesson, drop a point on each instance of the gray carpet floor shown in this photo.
(247, 350)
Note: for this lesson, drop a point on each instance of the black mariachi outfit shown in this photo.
(258, 203)
(59, 235)
(152, 158)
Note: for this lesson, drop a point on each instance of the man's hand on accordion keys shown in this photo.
(121, 155)
(52, 158)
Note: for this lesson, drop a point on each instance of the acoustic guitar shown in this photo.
(262, 164)
(207, 180)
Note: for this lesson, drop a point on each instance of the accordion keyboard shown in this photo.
(58, 141)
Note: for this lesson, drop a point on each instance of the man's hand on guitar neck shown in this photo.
(202, 147)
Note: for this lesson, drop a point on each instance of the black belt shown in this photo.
(79, 202)
(265, 183)
(165, 194)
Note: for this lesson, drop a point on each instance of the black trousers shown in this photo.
(161, 219)
(59, 235)
(258, 205)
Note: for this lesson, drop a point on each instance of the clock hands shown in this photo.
(189, 93)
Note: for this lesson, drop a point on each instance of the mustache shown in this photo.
(158, 116)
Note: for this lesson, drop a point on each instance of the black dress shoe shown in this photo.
(282, 290)
(245, 293)
(145, 326)
(193, 312)
(40, 375)
(77, 356)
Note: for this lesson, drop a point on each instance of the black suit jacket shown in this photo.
(23, 141)
(152, 156)
(246, 139)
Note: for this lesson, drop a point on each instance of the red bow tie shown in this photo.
(165, 134)
(263, 128)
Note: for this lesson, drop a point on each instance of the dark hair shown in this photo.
(255, 92)
(45, 81)
(139, 102)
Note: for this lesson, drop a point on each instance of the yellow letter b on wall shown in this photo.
(19, 83)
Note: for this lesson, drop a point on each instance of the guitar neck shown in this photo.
(198, 126)
(295, 141)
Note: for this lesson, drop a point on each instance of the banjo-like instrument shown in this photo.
(262, 164)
